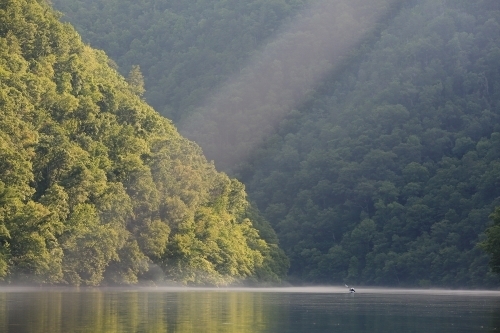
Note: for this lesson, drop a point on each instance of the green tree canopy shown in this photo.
(95, 186)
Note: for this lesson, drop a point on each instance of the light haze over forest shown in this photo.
(366, 133)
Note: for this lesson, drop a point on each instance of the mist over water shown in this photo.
(247, 310)
(336, 290)
(247, 108)
(294, 290)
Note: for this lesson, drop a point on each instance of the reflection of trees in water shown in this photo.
(495, 317)
(214, 312)
(96, 312)
(3, 313)
(388, 314)
(243, 312)
(60, 312)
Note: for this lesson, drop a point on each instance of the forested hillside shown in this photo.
(184, 48)
(227, 71)
(388, 174)
(96, 187)
(387, 171)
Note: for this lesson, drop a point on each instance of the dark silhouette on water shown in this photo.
(350, 289)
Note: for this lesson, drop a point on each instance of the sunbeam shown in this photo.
(247, 107)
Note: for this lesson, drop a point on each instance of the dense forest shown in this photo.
(383, 172)
(387, 170)
(96, 187)
(388, 173)
(226, 71)
(184, 48)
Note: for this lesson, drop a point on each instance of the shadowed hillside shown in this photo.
(388, 173)
(385, 171)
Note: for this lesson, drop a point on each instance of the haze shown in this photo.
(247, 108)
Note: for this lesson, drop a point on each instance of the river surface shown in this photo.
(245, 310)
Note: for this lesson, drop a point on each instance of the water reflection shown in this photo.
(247, 310)
(131, 311)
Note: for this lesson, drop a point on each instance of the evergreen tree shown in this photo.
(135, 80)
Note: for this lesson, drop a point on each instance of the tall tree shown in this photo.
(135, 80)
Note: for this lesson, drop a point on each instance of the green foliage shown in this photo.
(95, 187)
(388, 172)
(135, 80)
(185, 49)
(492, 242)
(385, 175)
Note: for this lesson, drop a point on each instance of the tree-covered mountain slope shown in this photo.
(185, 49)
(96, 187)
(226, 71)
(388, 174)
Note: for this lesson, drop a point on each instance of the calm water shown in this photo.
(290, 310)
